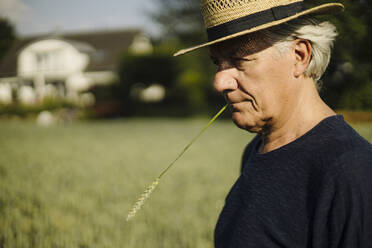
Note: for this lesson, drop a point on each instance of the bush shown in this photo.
(24, 111)
(145, 69)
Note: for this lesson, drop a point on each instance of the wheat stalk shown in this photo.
(146, 194)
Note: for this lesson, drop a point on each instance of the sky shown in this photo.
(34, 17)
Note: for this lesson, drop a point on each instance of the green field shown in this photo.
(72, 185)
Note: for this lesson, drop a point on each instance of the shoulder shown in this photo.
(353, 167)
(336, 143)
(348, 158)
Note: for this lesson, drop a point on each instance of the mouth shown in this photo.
(233, 107)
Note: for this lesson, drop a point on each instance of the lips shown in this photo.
(235, 97)
(233, 107)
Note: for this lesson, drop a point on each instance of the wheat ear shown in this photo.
(146, 194)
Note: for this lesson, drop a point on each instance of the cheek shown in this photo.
(274, 85)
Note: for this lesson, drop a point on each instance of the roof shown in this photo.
(108, 45)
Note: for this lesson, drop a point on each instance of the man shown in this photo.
(306, 178)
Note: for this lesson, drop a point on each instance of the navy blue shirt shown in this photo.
(313, 192)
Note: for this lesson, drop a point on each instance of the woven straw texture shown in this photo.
(216, 12)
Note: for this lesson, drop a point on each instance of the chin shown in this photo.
(245, 122)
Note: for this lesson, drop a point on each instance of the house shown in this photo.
(65, 66)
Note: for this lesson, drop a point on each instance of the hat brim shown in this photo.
(329, 8)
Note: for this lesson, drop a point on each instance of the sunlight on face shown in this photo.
(255, 79)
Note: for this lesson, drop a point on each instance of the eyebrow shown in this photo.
(230, 53)
(233, 57)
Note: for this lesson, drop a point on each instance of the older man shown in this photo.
(306, 178)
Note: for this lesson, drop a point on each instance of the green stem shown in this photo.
(146, 194)
(193, 140)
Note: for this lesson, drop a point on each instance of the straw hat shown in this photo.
(226, 19)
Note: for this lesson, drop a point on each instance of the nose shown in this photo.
(225, 81)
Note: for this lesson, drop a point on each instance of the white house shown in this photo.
(65, 66)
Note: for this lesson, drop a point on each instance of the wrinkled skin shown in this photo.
(267, 89)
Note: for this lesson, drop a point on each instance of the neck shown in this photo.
(296, 120)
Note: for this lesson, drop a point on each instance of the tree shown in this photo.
(347, 81)
(181, 20)
(7, 36)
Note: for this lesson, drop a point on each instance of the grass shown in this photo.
(72, 185)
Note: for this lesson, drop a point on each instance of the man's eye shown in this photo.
(239, 62)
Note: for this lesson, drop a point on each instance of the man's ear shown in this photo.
(303, 50)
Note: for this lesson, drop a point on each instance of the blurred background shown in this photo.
(93, 106)
(112, 59)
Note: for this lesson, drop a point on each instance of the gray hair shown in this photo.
(321, 36)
